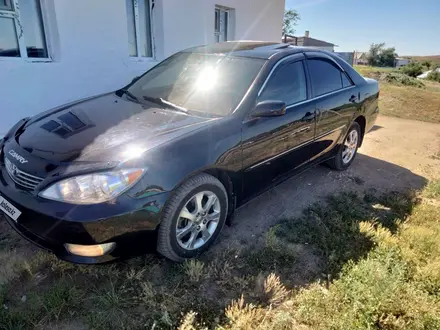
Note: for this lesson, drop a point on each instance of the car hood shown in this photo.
(103, 128)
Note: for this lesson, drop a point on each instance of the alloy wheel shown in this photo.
(350, 146)
(198, 220)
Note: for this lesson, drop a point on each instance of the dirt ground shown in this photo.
(396, 154)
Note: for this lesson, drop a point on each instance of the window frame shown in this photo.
(324, 57)
(14, 13)
(343, 73)
(227, 12)
(7, 7)
(290, 59)
(272, 74)
(137, 31)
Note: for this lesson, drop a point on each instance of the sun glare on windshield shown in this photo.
(207, 79)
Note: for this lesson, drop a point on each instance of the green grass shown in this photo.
(392, 284)
(366, 70)
(368, 261)
(404, 98)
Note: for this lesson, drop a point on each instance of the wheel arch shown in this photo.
(227, 179)
(363, 124)
(230, 185)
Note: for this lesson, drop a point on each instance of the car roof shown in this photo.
(254, 49)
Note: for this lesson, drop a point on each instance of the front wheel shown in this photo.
(192, 218)
(348, 150)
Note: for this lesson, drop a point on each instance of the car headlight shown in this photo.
(92, 188)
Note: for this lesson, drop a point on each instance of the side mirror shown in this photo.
(269, 109)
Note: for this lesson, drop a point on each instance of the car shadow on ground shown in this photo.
(289, 198)
(375, 128)
(293, 199)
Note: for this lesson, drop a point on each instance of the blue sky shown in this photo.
(412, 26)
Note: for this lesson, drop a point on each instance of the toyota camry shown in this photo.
(171, 156)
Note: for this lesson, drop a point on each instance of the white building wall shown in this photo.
(399, 62)
(191, 22)
(89, 45)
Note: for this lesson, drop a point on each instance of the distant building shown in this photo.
(346, 56)
(360, 58)
(398, 62)
(306, 41)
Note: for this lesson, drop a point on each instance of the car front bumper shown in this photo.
(129, 222)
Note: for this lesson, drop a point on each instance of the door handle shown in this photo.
(353, 99)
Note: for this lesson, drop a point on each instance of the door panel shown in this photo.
(263, 141)
(299, 137)
(335, 113)
(273, 146)
(336, 102)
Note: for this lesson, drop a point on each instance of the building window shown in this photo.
(139, 28)
(5, 5)
(222, 23)
(22, 30)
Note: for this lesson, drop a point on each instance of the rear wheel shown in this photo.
(348, 150)
(192, 218)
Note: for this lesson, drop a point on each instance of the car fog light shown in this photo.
(90, 250)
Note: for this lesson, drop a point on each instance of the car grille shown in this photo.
(21, 178)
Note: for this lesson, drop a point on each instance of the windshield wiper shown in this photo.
(130, 95)
(161, 101)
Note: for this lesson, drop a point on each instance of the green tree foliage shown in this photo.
(291, 18)
(381, 56)
(373, 54)
(412, 69)
(387, 57)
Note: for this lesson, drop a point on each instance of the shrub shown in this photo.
(434, 75)
(396, 78)
(413, 69)
(427, 64)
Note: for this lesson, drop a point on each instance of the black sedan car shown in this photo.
(172, 155)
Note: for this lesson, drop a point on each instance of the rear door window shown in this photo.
(325, 76)
(346, 82)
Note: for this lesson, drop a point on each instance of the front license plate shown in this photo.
(9, 209)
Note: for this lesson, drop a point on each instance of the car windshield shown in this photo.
(212, 84)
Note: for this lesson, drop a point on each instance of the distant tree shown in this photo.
(387, 56)
(381, 56)
(291, 18)
(373, 54)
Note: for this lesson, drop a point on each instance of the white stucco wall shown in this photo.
(191, 22)
(88, 43)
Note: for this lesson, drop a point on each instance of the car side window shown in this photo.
(287, 84)
(346, 82)
(325, 76)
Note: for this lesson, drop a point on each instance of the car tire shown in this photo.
(201, 229)
(351, 143)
